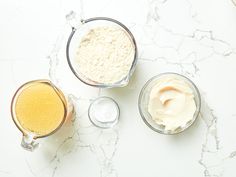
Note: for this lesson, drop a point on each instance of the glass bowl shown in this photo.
(144, 99)
(74, 41)
(100, 108)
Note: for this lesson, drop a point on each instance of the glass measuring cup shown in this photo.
(38, 110)
(78, 31)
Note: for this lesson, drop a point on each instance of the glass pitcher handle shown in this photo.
(29, 143)
(73, 20)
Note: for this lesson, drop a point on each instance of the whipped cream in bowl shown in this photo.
(169, 103)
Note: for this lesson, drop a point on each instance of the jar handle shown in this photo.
(29, 143)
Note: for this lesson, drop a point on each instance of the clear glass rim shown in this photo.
(15, 96)
(100, 85)
(198, 105)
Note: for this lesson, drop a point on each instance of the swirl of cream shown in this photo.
(171, 103)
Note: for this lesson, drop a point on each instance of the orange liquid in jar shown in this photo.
(39, 108)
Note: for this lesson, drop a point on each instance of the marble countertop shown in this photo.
(196, 38)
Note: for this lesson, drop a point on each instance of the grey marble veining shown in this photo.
(178, 36)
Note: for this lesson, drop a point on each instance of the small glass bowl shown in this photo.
(99, 106)
(76, 37)
(144, 99)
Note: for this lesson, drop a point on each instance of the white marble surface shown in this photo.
(196, 38)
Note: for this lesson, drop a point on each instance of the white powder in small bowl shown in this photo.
(105, 55)
(104, 112)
